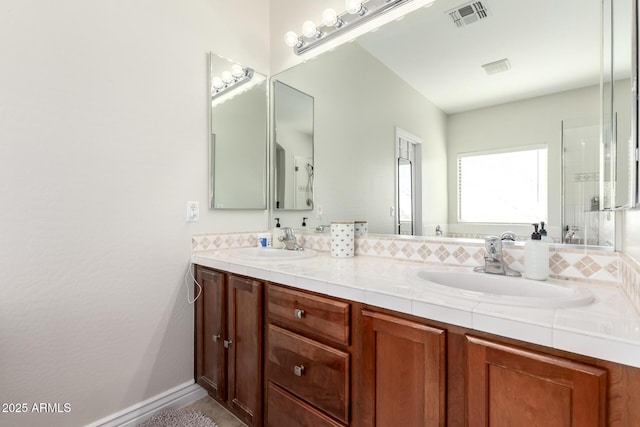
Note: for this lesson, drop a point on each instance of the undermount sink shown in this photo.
(271, 254)
(506, 290)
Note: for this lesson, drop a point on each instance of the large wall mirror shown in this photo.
(512, 80)
(238, 137)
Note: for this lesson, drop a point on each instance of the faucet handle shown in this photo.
(508, 235)
(288, 232)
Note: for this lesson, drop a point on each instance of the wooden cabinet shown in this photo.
(510, 386)
(403, 372)
(210, 327)
(308, 359)
(335, 363)
(228, 340)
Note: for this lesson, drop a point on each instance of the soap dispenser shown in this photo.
(536, 257)
(543, 233)
(275, 233)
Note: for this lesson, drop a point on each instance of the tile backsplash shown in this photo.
(580, 265)
(630, 279)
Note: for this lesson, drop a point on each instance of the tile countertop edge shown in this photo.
(542, 331)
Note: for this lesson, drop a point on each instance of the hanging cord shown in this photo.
(187, 273)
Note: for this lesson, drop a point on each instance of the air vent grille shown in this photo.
(468, 13)
(497, 66)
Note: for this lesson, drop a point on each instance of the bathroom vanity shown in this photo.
(354, 342)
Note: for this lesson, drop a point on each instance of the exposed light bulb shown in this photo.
(237, 71)
(291, 39)
(309, 29)
(329, 17)
(227, 77)
(217, 82)
(353, 6)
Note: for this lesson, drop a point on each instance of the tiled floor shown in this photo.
(216, 412)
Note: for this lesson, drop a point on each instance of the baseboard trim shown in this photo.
(174, 398)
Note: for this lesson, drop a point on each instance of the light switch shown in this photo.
(193, 211)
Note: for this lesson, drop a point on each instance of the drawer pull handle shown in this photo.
(216, 338)
(298, 313)
(298, 370)
(227, 344)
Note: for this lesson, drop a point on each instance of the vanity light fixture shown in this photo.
(230, 80)
(357, 12)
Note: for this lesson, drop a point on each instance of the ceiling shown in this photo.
(552, 46)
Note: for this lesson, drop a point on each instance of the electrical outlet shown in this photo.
(319, 211)
(193, 211)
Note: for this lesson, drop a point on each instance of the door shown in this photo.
(404, 377)
(210, 332)
(509, 386)
(408, 184)
(244, 346)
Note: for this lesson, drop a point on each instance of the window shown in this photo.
(503, 186)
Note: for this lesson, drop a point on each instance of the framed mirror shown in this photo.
(501, 82)
(293, 170)
(238, 136)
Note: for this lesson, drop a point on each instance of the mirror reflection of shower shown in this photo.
(293, 133)
(583, 221)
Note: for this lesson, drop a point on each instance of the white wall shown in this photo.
(103, 139)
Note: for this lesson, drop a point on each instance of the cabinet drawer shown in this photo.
(286, 410)
(307, 313)
(310, 370)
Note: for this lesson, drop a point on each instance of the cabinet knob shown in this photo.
(298, 313)
(215, 338)
(298, 370)
(227, 344)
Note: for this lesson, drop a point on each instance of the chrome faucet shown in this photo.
(493, 259)
(569, 235)
(289, 240)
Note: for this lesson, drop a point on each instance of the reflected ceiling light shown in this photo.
(357, 12)
(227, 77)
(230, 80)
(237, 71)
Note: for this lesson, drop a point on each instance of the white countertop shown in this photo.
(608, 328)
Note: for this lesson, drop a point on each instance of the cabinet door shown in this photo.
(210, 332)
(244, 304)
(404, 372)
(509, 386)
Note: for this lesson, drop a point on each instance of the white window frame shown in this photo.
(489, 187)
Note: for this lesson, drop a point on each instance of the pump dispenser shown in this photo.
(536, 257)
(275, 233)
(543, 233)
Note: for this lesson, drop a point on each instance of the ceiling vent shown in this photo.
(468, 13)
(497, 66)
